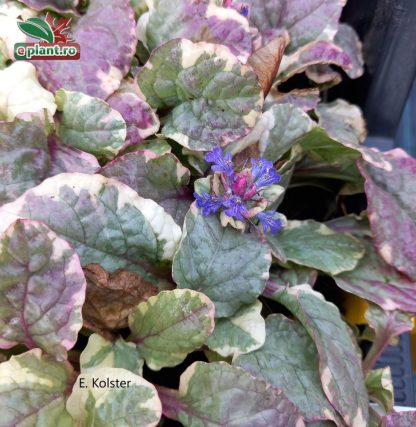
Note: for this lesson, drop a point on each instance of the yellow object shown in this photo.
(355, 308)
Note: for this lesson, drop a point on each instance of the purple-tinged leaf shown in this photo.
(305, 99)
(391, 197)
(323, 75)
(215, 99)
(351, 223)
(197, 21)
(375, 280)
(386, 325)
(33, 390)
(160, 178)
(399, 419)
(339, 364)
(218, 394)
(62, 6)
(106, 221)
(306, 21)
(141, 120)
(42, 289)
(289, 360)
(106, 34)
(69, 159)
(24, 158)
(321, 52)
(347, 39)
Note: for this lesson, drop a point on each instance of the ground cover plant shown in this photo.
(178, 217)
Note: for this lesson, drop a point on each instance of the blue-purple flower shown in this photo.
(269, 221)
(235, 207)
(264, 174)
(238, 194)
(221, 163)
(209, 203)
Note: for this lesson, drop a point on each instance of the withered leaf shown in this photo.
(111, 297)
(266, 61)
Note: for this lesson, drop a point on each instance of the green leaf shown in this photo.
(380, 387)
(105, 220)
(160, 178)
(100, 353)
(42, 289)
(24, 158)
(242, 333)
(229, 267)
(283, 125)
(315, 245)
(218, 394)
(339, 364)
(320, 146)
(33, 390)
(133, 400)
(38, 28)
(215, 99)
(289, 360)
(90, 124)
(170, 325)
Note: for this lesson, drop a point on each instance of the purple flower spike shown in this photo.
(263, 172)
(235, 207)
(209, 203)
(221, 163)
(269, 222)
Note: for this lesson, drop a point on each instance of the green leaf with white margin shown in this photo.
(339, 364)
(215, 98)
(97, 401)
(90, 124)
(315, 245)
(106, 221)
(101, 353)
(282, 126)
(170, 325)
(343, 122)
(242, 333)
(20, 92)
(380, 387)
(289, 360)
(218, 394)
(33, 390)
(24, 157)
(229, 267)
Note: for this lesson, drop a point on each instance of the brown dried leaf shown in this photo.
(266, 62)
(111, 297)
